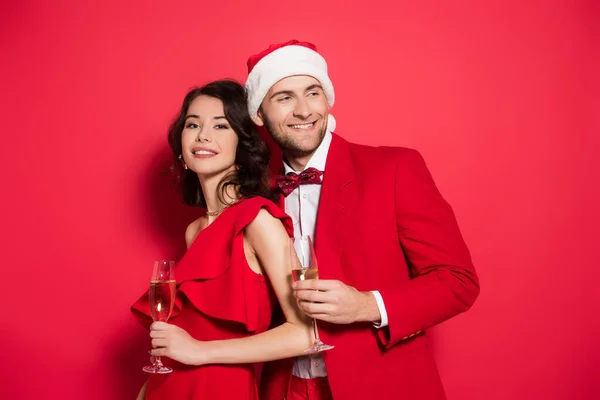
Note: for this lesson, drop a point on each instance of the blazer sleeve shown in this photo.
(443, 279)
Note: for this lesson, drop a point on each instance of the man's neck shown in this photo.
(298, 163)
(317, 158)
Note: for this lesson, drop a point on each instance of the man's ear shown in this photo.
(258, 118)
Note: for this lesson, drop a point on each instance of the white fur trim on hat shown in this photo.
(282, 63)
(330, 123)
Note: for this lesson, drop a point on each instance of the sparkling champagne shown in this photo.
(162, 299)
(305, 273)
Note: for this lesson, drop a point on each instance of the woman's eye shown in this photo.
(192, 125)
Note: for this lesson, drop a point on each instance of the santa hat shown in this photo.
(281, 61)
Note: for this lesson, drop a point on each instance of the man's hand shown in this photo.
(173, 342)
(335, 302)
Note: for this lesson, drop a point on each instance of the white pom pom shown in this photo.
(330, 123)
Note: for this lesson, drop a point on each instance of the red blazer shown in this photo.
(383, 225)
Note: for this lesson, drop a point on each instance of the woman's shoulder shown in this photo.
(263, 213)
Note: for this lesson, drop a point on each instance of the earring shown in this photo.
(180, 157)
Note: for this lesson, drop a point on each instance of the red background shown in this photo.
(500, 97)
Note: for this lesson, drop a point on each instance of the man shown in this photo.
(392, 261)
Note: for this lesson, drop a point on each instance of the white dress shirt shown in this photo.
(302, 205)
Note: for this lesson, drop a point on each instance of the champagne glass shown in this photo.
(307, 269)
(162, 300)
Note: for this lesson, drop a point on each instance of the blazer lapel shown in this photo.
(337, 196)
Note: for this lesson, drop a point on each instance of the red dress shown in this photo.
(218, 297)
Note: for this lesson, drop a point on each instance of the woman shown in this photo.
(224, 302)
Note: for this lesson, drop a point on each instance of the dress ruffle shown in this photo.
(220, 288)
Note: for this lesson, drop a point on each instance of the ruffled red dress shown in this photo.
(218, 297)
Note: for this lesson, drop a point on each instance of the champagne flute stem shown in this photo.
(158, 361)
(316, 330)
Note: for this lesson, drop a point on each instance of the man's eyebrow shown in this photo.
(288, 92)
(314, 86)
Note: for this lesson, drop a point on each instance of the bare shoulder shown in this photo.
(265, 228)
(263, 221)
(194, 229)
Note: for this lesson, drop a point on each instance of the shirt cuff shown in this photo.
(384, 319)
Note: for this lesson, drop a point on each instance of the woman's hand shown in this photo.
(173, 342)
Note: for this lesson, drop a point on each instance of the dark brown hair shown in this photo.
(251, 178)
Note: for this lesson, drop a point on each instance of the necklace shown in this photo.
(215, 213)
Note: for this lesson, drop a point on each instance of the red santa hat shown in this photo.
(281, 61)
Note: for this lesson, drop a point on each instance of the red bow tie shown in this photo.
(289, 182)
